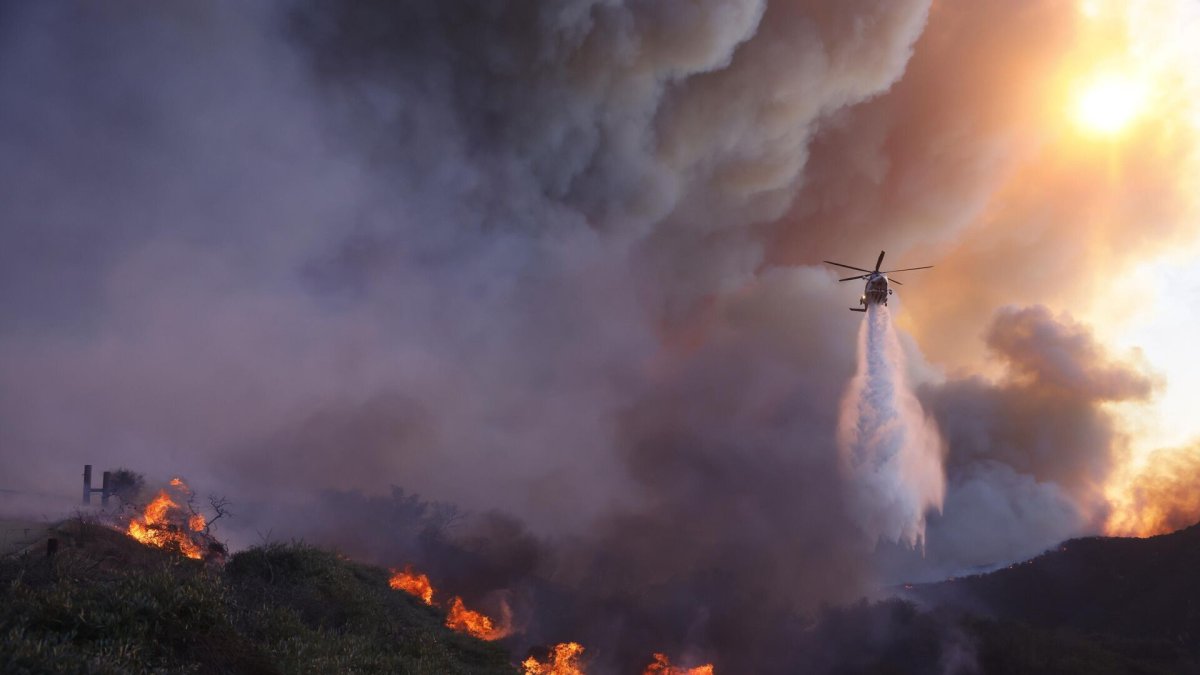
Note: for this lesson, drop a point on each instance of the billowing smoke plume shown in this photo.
(890, 449)
(499, 254)
(529, 256)
(1029, 452)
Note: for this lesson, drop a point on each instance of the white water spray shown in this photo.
(890, 450)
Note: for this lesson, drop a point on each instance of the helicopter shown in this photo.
(876, 291)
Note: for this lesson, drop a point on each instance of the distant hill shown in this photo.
(1138, 598)
(107, 604)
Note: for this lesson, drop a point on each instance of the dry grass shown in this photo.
(16, 534)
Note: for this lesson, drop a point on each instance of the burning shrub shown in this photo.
(662, 666)
(413, 583)
(477, 624)
(170, 520)
(562, 660)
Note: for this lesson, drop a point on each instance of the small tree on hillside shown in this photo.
(127, 485)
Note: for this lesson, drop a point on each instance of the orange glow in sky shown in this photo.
(1112, 188)
(1158, 316)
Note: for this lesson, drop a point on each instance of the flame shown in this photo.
(662, 666)
(458, 617)
(161, 524)
(197, 522)
(413, 583)
(564, 660)
(474, 623)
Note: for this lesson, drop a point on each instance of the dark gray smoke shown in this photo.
(437, 244)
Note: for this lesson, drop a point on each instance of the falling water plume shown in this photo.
(890, 450)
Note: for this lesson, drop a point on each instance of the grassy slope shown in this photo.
(106, 604)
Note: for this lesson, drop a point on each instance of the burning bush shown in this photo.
(474, 623)
(413, 583)
(662, 666)
(170, 520)
(562, 660)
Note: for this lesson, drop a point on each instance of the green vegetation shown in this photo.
(106, 604)
(1093, 605)
(1005, 647)
(895, 637)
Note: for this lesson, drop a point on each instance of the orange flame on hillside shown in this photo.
(662, 666)
(413, 583)
(161, 524)
(473, 623)
(564, 660)
(458, 617)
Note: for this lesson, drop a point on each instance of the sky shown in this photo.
(559, 264)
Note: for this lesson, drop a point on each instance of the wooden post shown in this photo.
(105, 488)
(51, 547)
(87, 483)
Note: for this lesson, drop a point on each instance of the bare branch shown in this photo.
(220, 509)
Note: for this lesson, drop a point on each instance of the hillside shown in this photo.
(1136, 597)
(106, 604)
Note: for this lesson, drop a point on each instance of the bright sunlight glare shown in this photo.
(1108, 103)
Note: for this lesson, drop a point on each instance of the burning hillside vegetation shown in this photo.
(171, 521)
(458, 616)
(662, 666)
(413, 583)
(563, 659)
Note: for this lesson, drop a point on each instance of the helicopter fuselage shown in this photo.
(876, 291)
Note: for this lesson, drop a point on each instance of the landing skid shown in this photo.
(858, 309)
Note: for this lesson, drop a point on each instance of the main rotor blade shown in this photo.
(861, 276)
(909, 269)
(849, 267)
(894, 281)
(880, 261)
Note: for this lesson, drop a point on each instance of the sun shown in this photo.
(1108, 103)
